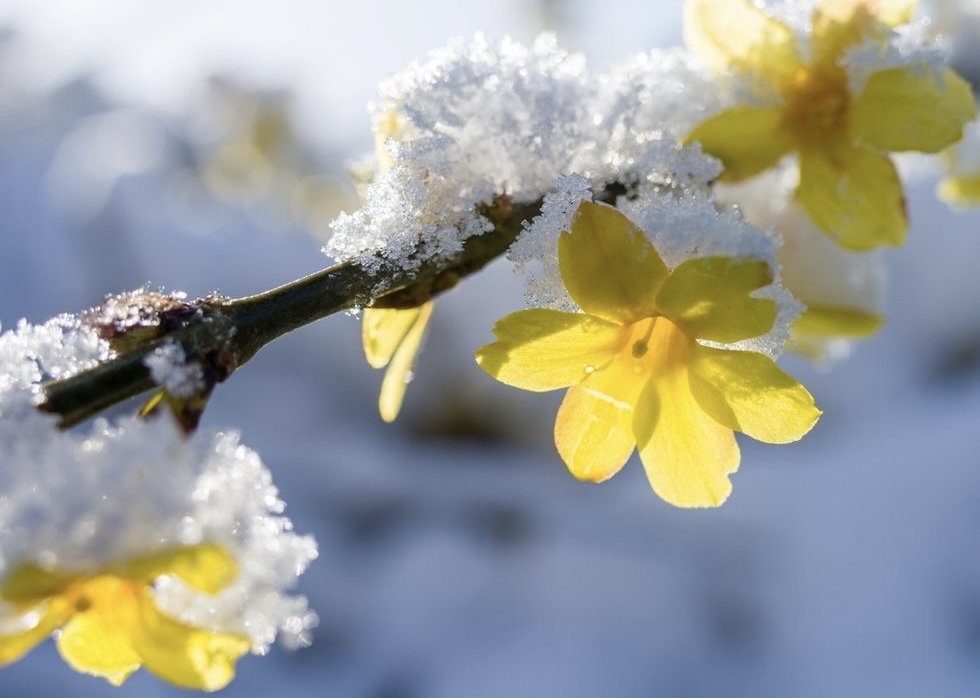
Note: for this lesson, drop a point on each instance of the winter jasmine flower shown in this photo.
(841, 103)
(109, 624)
(638, 367)
(391, 338)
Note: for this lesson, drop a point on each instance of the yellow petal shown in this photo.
(854, 195)
(960, 190)
(746, 391)
(23, 628)
(206, 567)
(98, 638)
(729, 34)
(383, 330)
(911, 109)
(840, 24)
(708, 297)
(687, 455)
(543, 349)
(594, 426)
(609, 267)
(832, 321)
(399, 372)
(32, 583)
(889, 12)
(183, 655)
(747, 140)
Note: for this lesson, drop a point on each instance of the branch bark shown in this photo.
(223, 334)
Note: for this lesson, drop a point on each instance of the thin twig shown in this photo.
(224, 334)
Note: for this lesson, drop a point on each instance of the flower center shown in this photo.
(102, 592)
(655, 346)
(816, 103)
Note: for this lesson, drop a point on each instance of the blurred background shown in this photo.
(204, 146)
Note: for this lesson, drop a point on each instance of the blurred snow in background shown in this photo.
(457, 557)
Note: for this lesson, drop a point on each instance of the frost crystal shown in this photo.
(30, 354)
(475, 122)
(79, 502)
(689, 224)
(478, 121)
(908, 45)
(534, 253)
(681, 223)
(170, 369)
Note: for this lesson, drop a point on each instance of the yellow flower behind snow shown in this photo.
(848, 184)
(109, 625)
(391, 337)
(637, 374)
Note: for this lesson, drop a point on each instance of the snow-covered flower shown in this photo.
(109, 624)
(131, 542)
(643, 363)
(843, 99)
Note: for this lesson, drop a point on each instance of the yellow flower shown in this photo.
(848, 184)
(960, 190)
(960, 187)
(391, 338)
(637, 374)
(109, 625)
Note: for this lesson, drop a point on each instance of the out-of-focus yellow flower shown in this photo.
(961, 185)
(391, 338)
(848, 184)
(637, 374)
(109, 625)
(960, 190)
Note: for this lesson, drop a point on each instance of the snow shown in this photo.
(170, 369)
(457, 557)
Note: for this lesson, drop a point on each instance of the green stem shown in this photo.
(224, 334)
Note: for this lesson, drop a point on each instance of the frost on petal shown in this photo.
(84, 502)
(475, 121)
(691, 225)
(880, 48)
(736, 34)
(535, 253)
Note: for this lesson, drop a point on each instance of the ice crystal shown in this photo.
(55, 350)
(907, 45)
(477, 121)
(170, 369)
(80, 501)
